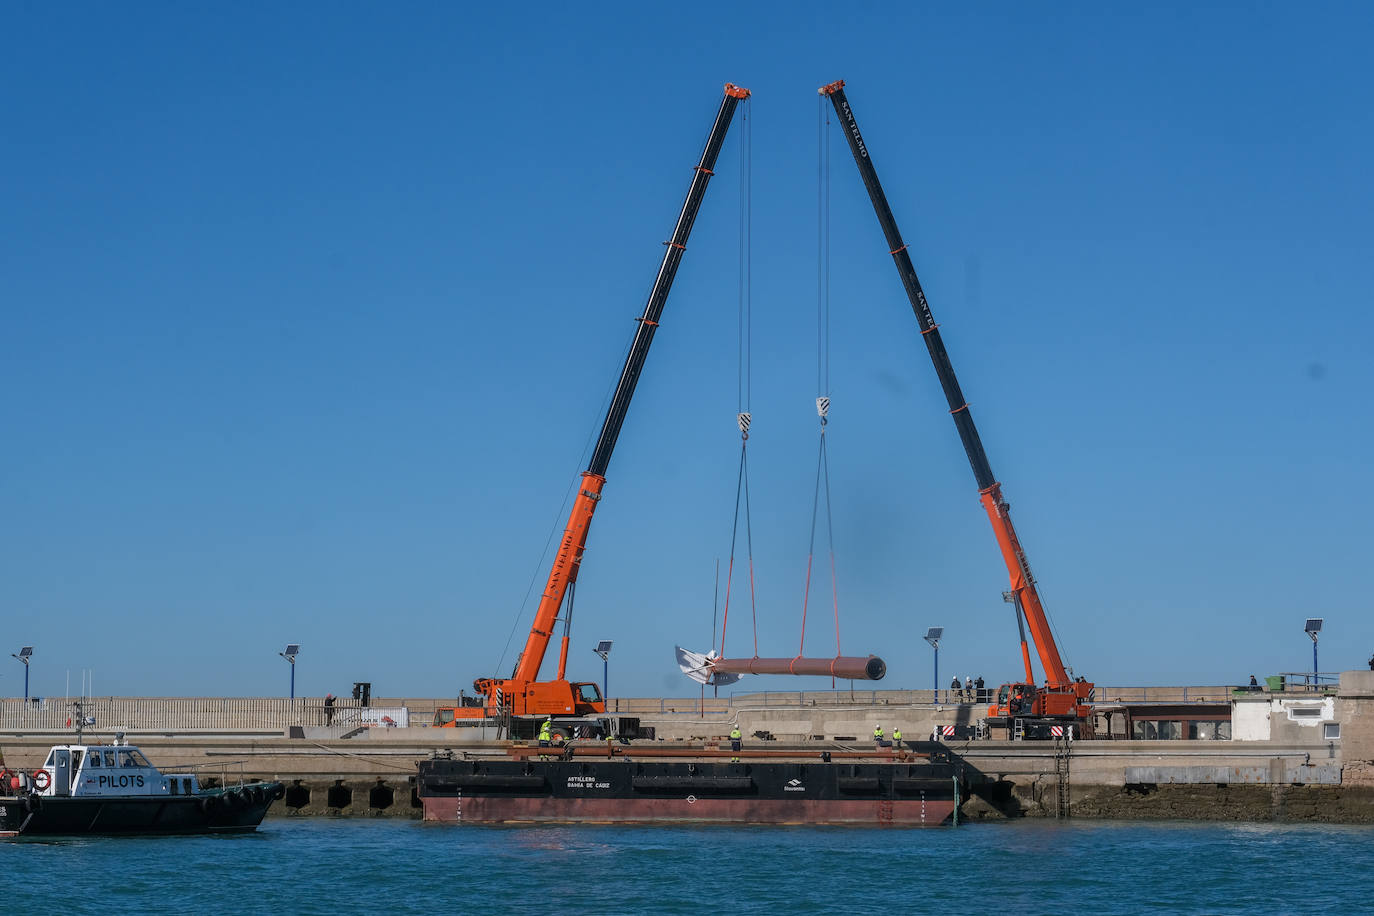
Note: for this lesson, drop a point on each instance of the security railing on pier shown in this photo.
(279, 714)
(1308, 680)
(176, 713)
(649, 706)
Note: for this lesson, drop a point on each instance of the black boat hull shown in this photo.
(233, 811)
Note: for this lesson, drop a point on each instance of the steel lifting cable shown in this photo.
(822, 377)
(741, 500)
(743, 417)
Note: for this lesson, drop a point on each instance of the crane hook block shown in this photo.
(736, 92)
(744, 420)
(822, 407)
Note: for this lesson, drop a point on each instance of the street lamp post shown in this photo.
(24, 655)
(603, 649)
(292, 650)
(933, 637)
(1313, 627)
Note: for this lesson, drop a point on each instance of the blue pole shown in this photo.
(26, 681)
(937, 674)
(1314, 663)
(293, 680)
(605, 676)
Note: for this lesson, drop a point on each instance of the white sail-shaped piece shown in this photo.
(699, 667)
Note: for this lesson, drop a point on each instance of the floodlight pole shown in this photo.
(1314, 659)
(935, 644)
(25, 660)
(606, 671)
(291, 660)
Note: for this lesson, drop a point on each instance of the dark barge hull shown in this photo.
(140, 815)
(628, 791)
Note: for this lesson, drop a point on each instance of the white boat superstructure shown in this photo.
(106, 770)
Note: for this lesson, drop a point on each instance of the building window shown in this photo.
(1331, 731)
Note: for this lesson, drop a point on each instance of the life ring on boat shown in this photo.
(41, 779)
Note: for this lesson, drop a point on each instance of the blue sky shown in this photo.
(309, 316)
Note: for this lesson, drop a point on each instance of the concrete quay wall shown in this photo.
(1291, 767)
(280, 713)
(371, 777)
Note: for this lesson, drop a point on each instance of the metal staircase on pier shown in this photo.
(1062, 749)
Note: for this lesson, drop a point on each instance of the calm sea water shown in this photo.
(356, 866)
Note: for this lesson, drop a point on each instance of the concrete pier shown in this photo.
(1293, 755)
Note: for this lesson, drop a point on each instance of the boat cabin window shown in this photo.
(131, 758)
(95, 758)
(172, 786)
(186, 786)
(110, 759)
(49, 762)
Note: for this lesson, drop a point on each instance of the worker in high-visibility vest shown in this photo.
(736, 742)
(546, 731)
(878, 734)
(896, 737)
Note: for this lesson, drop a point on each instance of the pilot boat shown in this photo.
(112, 789)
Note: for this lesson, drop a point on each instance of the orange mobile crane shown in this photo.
(523, 694)
(1062, 700)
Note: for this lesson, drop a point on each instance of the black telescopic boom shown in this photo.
(648, 324)
(958, 407)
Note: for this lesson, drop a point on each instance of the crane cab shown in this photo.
(1013, 700)
(1040, 708)
(558, 699)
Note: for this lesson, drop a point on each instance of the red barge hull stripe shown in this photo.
(857, 812)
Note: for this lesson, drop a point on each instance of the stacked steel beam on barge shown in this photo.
(916, 785)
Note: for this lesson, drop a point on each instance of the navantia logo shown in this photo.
(854, 129)
(794, 785)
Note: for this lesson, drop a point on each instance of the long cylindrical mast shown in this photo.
(569, 556)
(989, 490)
(849, 667)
